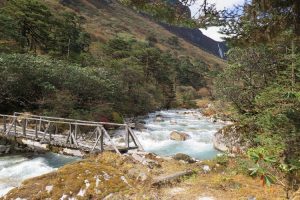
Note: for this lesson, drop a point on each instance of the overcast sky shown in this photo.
(212, 32)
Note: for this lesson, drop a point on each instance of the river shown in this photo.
(16, 168)
(154, 138)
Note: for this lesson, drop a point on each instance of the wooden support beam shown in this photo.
(101, 142)
(100, 135)
(24, 126)
(74, 138)
(110, 140)
(135, 139)
(56, 129)
(10, 127)
(45, 132)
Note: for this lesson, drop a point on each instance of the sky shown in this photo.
(212, 32)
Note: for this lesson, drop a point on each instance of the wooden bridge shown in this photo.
(86, 136)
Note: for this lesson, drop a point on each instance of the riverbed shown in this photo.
(155, 137)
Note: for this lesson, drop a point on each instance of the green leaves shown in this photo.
(26, 79)
(34, 27)
(263, 162)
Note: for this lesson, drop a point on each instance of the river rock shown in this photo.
(229, 140)
(139, 126)
(184, 157)
(178, 136)
(4, 149)
(158, 118)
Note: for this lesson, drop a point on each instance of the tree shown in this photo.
(32, 22)
(35, 28)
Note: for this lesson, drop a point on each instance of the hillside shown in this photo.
(107, 19)
(90, 55)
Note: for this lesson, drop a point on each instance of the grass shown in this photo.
(223, 182)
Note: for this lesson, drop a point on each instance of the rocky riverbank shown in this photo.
(12, 146)
(229, 138)
(144, 176)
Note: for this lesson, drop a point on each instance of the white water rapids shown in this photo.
(14, 169)
(156, 136)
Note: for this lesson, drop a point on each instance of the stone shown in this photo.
(142, 177)
(4, 148)
(173, 122)
(147, 162)
(72, 152)
(219, 145)
(251, 197)
(178, 136)
(206, 169)
(139, 126)
(206, 198)
(133, 173)
(184, 157)
(110, 196)
(7, 150)
(235, 149)
(49, 188)
(158, 119)
(231, 155)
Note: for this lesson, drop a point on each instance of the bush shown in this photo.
(222, 160)
(34, 82)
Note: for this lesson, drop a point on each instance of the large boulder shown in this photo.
(178, 136)
(228, 139)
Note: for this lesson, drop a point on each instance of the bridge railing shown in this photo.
(79, 133)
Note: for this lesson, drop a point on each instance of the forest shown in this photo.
(47, 67)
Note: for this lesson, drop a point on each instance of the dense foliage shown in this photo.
(34, 27)
(262, 81)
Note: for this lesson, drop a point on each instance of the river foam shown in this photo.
(156, 136)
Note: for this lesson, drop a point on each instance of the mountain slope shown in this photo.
(106, 19)
(196, 37)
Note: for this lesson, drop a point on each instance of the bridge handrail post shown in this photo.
(127, 136)
(15, 125)
(4, 124)
(24, 126)
(36, 129)
(40, 124)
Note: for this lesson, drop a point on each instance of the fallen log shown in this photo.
(167, 178)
